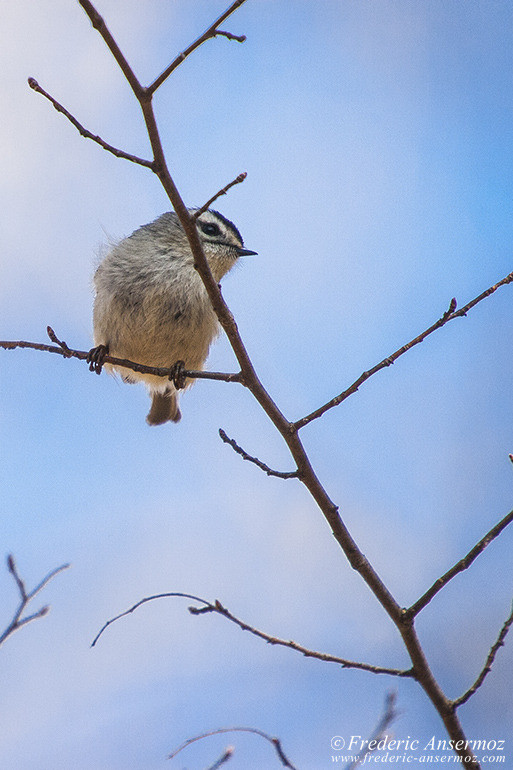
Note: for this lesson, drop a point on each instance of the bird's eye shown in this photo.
(209, 228)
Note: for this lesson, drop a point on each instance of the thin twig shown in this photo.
(99, 25)
(207, 205)
(449, 315)
(84, 132)
(11, 566)
(230, 36)
(82, 355)
(489, 662)
(18, 621)
(240, 451)
(226, 756)
(253, 730)
(209, 33)
(63, 346)
(460, 566)
(218, 608)
(389, 715)
(139, 604)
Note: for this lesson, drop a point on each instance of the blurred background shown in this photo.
(378, 142)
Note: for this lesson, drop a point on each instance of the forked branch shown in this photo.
(275, 742)
(289, 431)
(26, 597)
(218, 608)
(209, 33)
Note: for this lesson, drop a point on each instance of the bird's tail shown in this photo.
(164, 407)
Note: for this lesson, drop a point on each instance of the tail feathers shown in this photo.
(164, 408)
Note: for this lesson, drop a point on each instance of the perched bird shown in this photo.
(151, 306)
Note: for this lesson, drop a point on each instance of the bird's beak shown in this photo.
(245, 252)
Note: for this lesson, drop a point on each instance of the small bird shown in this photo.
(151, 306)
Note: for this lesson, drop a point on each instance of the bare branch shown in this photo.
(449, 315)
(227, 755)
(289, 431)
(253, 730)
(18, 621)
(82, 355)
(389, 715)
(139, 604)
(84, 132)
(11, 566)
(99, 24)
(46, 580)
(63, 346)
(489, 662)
(218, 608)
(230, 36)
(462, 565)
(207, 205)
(211, 32)
(240, 451)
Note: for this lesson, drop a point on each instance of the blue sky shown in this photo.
(377, 137)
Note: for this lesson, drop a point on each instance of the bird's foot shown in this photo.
(96, 357)
(177, 375)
